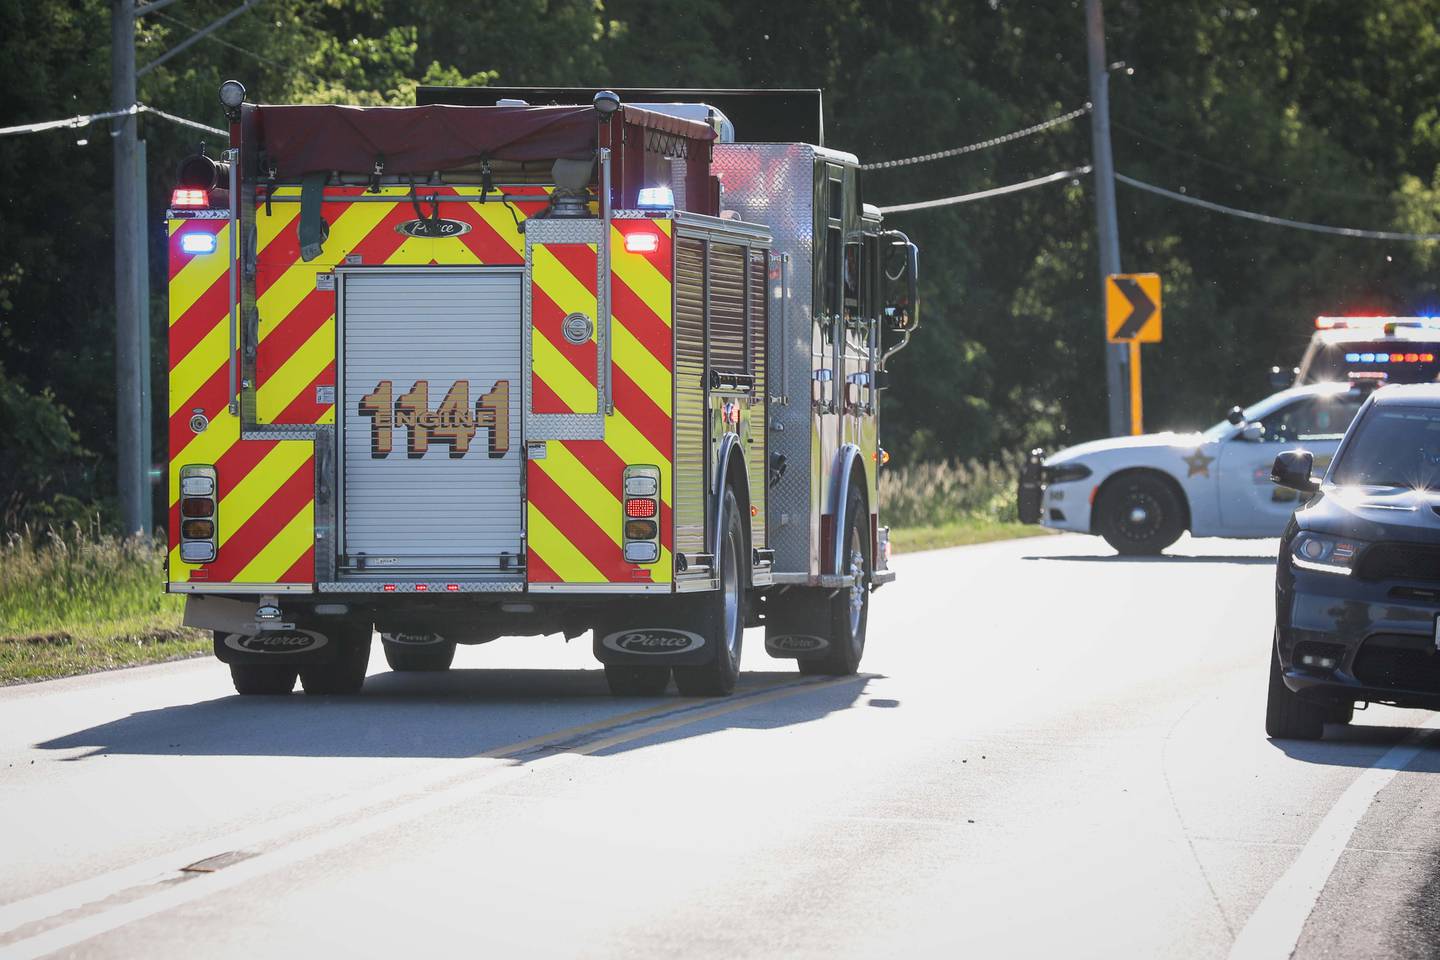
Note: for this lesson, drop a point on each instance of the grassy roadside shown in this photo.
(932, 505)
(72, 602)
(960, 533)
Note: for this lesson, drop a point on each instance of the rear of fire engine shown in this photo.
(453, 372)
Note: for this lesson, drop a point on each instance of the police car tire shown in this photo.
(409, 657)
(847, 647)
(626, 680)
(717, 678)
(1287, 716)
(262, 679)
(1341, 713)
(346, 673)
(1120, 495)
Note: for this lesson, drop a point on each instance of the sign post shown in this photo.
(1132, 317)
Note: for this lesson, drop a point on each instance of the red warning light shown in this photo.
(640, 507)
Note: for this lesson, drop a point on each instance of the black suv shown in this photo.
(1357, 586)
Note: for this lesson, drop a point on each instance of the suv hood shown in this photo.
(1374, 513)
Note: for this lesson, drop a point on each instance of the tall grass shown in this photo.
(937, 494)
(53, 580)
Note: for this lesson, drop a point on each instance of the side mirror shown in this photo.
(1253, 432)
(1236, 416)
(1282, 379)
(1292, 471)
(901, 263)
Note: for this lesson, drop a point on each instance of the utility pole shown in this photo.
(1109, 231)
(131, 460)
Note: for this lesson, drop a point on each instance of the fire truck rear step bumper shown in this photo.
(828, 580)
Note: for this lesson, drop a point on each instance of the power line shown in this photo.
(983, 144)
(85, 119)
(239, 49)
(182, 121)
(1274, 221)
(987, 194)
(1230, 168)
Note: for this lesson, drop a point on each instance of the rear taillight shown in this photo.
(189, 197)
(642, 510)
(199, 528)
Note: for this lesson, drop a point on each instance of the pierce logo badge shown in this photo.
(797, 643)
(279, 642)
(412, 639)
(432, 228)
(654, 640)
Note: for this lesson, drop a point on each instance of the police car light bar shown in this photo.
(1369, 322)
(1389, 357)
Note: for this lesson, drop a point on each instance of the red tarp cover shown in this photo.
(416, 140)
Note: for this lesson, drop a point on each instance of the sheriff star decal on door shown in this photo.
(1197, 464)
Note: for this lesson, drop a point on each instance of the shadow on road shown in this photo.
(1163, 558)
(1358, 745)
(459, 713)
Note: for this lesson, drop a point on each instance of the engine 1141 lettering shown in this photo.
(454, 422)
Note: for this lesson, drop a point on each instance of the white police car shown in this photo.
(1141, 493)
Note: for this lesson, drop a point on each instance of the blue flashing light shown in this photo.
(198, 243)
(656, 198)
(1367, 358)
(1352, 358)
(1382, 358)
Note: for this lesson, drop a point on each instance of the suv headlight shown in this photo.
(1323, 552)
(1066, 472)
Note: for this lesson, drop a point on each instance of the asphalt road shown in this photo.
(1051, 752)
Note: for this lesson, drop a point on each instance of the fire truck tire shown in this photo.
(849, 608)
(719, 617)
(408, 657)
(262, 679)
(631, 681)
(346, 673)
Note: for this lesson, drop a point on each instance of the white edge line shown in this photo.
(1274, 928)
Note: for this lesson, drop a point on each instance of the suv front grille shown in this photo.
(1400, 561)
(1399, 662)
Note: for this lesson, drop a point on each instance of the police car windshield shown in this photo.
(1256, 411)
(1394, 446)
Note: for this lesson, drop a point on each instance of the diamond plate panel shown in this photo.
(774, 184)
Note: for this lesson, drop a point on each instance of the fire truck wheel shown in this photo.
(262, 679)
(849, 608)
(629, 681)
(407, 657)
(346, 673)
(720, 616)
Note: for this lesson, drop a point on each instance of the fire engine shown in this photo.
(480, 367)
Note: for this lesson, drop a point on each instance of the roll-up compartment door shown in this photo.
(431, 443)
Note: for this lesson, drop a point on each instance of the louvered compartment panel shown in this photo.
(727, 308)
(757, 305)
(689, 494)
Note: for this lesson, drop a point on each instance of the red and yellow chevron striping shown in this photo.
(574, 493)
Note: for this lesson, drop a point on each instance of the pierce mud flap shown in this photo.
(798, 624)
(301, 646)
(653, 645)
